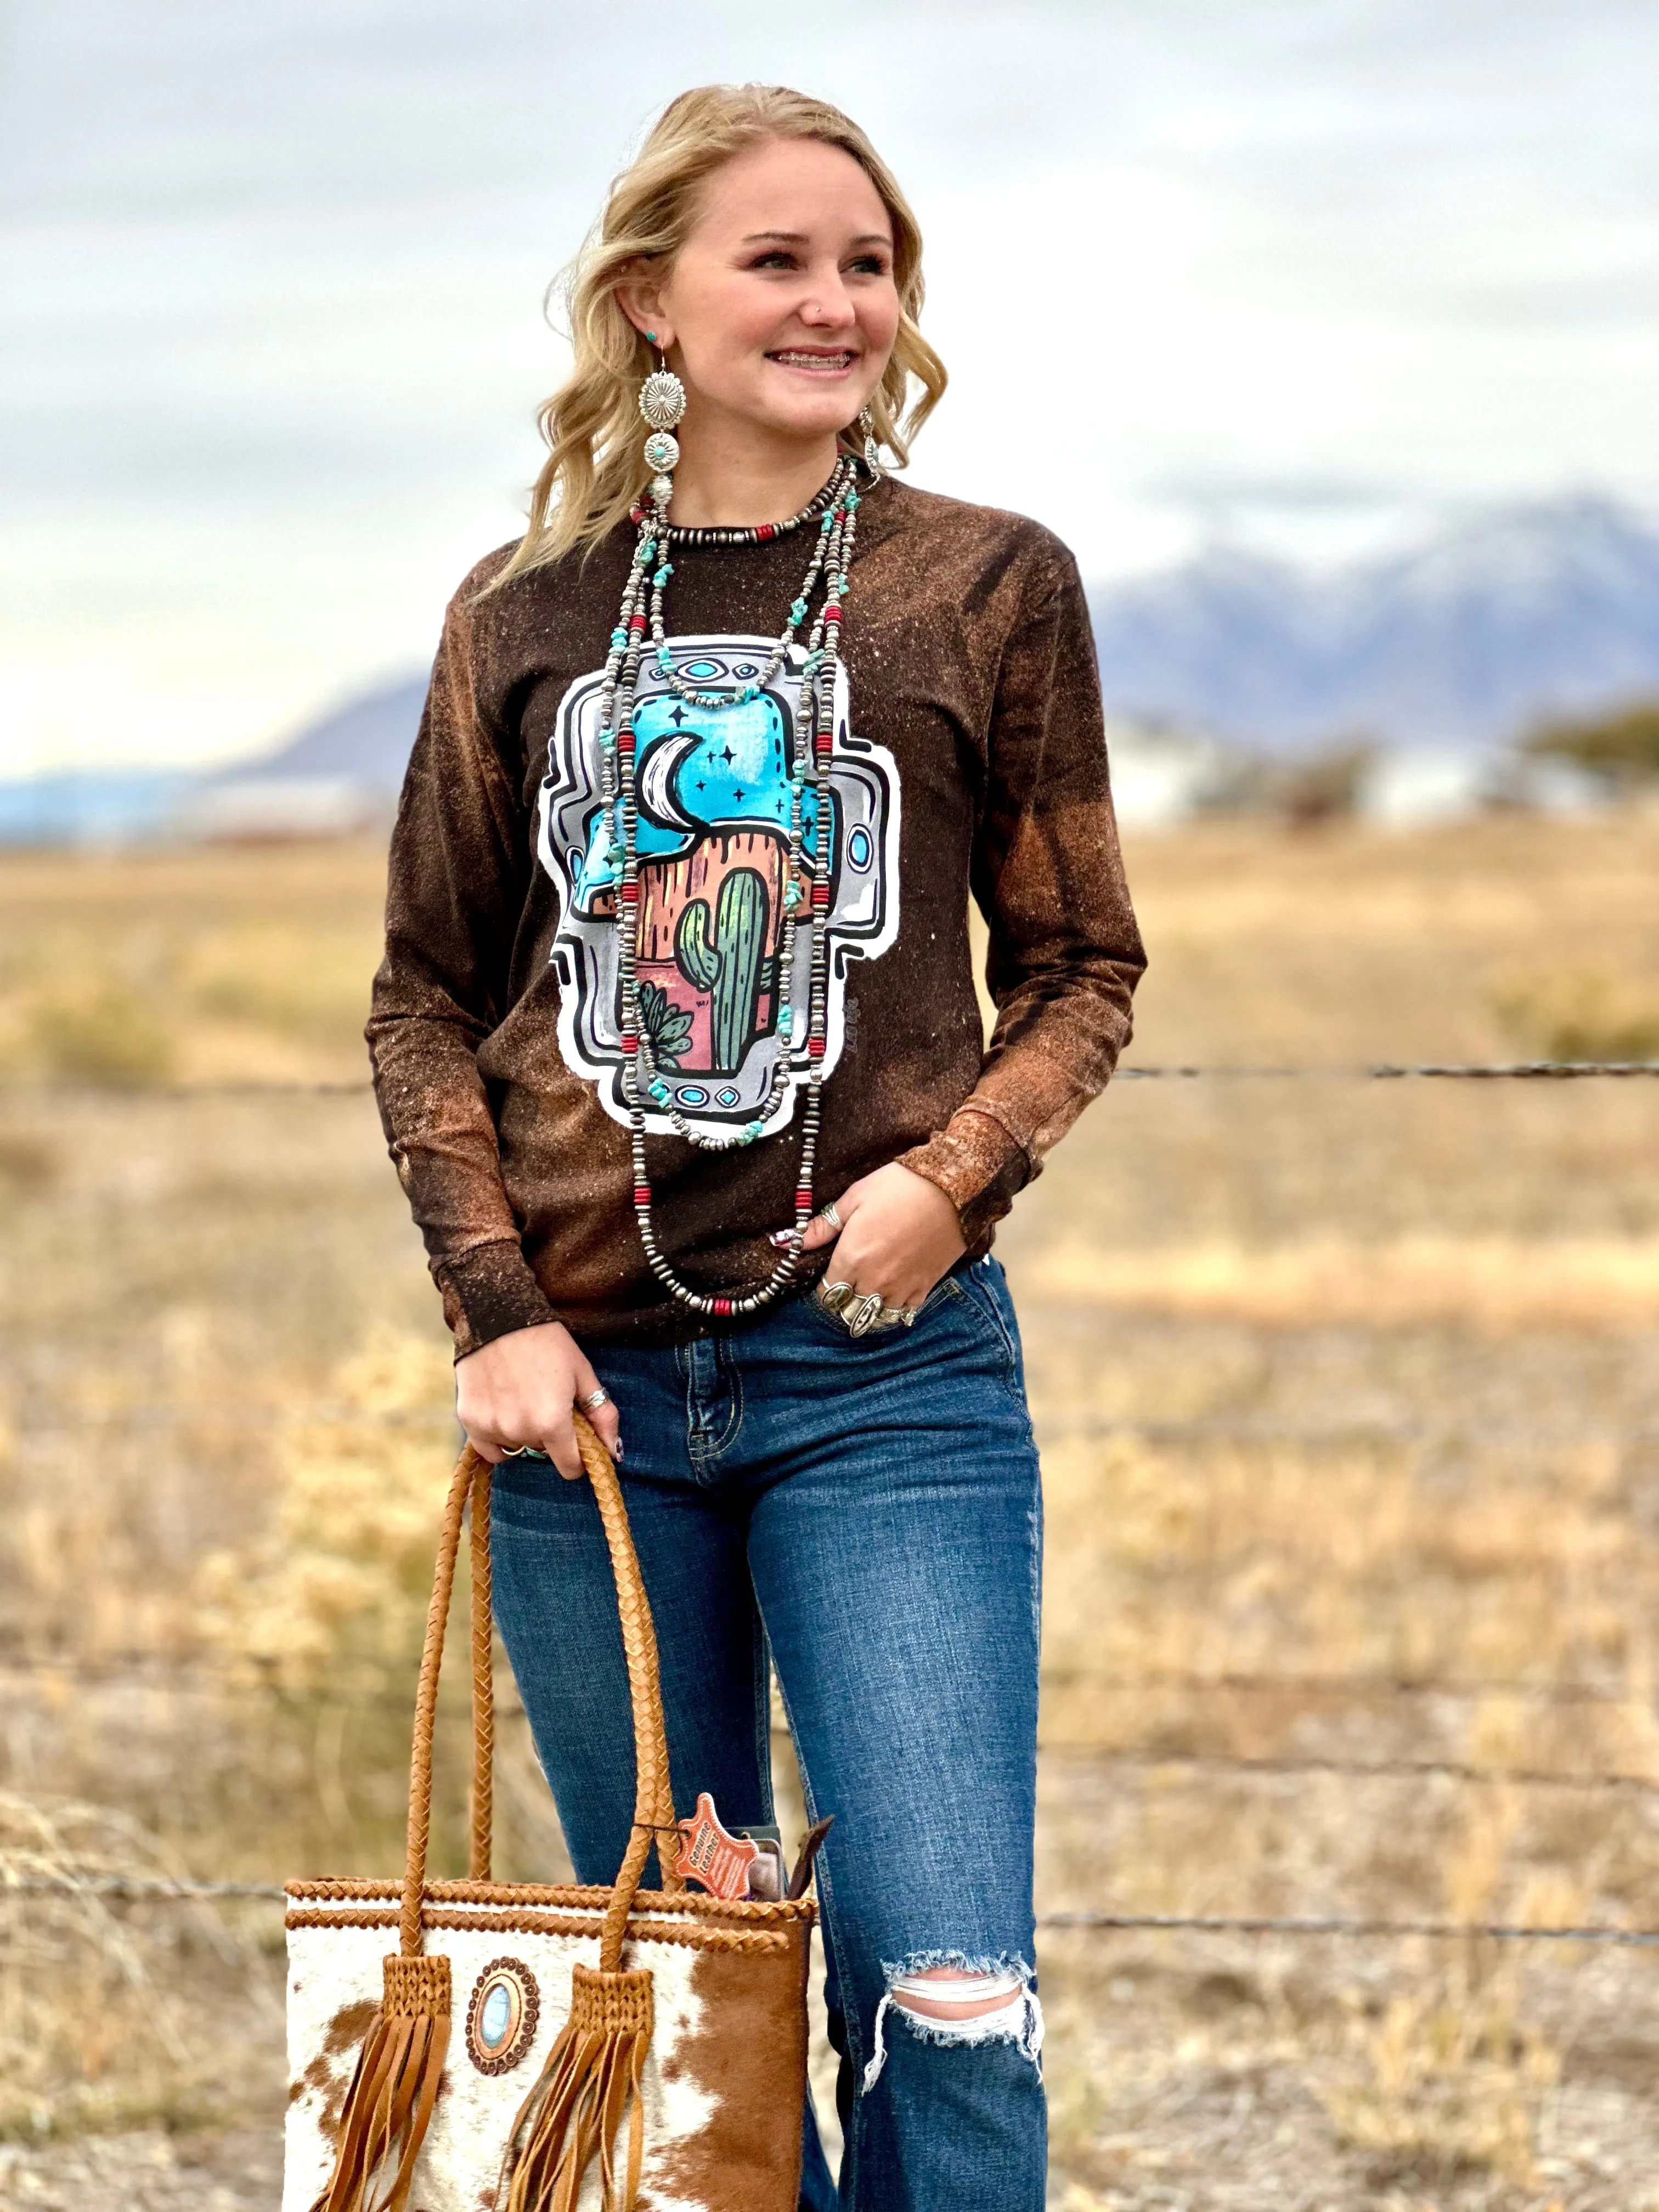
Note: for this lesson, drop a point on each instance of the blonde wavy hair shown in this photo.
(595, 469)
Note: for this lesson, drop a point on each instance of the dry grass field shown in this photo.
(1349, 1397)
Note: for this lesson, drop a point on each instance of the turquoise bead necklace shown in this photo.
(806, 893)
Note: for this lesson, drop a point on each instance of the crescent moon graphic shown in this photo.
(655, 789)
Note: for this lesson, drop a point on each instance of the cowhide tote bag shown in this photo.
(527, 2049)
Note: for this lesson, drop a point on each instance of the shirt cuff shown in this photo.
(489, 1292)
(978, 1164)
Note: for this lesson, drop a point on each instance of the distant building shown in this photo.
(1407, 788)
(1400, 788)
(1163, 775)
(248, 809)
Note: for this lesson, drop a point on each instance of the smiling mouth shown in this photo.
(830, 362)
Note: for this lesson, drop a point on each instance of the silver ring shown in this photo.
(522, 1451)
(896, 1317)
(828, 1213)
(595, 1399)
(860, 1313)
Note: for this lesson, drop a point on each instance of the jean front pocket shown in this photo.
(982, 1290)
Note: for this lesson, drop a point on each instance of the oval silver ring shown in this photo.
(595, 1399)
(863, 1315)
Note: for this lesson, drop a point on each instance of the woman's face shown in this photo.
(781, 308)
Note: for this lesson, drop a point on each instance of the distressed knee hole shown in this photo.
(957, 2001)
(947, 1993)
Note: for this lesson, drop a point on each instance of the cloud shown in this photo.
(271, 338)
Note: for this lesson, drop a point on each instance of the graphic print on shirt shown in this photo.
(712, 797)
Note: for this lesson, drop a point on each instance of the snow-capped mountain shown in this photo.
(1522, 613)
(367, 739)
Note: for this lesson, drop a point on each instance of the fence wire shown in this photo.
(1224, 1924)
(154, 1890)
(1356, 1770)
(166, 1672)
(1509, 1071)
(1264, 1683)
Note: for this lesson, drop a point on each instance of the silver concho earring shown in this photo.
(871, 443)
(662, 403)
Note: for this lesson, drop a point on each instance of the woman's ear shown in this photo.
(641, 301)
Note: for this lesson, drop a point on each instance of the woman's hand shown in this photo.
(899, 1234)
(520, 1388)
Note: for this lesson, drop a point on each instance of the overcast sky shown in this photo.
(1299, 273)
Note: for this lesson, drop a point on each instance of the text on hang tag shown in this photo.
(709, 1854)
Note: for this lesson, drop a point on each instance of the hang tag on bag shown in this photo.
(749, 1862)
(710, 1855)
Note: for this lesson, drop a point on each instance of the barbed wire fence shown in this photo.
(160, 1890)
(125, 1668)
(1382, 1071)
(141, 1668)
(150, 1669)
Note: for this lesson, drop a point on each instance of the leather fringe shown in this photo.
(592, 2078)
(389, 2105)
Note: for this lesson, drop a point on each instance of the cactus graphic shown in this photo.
(731, 966)
(740, 941)
(694, 957)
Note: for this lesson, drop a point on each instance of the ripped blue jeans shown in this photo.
(869, 1510)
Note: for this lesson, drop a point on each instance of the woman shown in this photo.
(676, 1021)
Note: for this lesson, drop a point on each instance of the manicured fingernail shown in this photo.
(621, 1451)
(779, 1238)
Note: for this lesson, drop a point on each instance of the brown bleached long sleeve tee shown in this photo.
(969, 759)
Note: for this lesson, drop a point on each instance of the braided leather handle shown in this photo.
(654, 1802)
(483, 1681)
